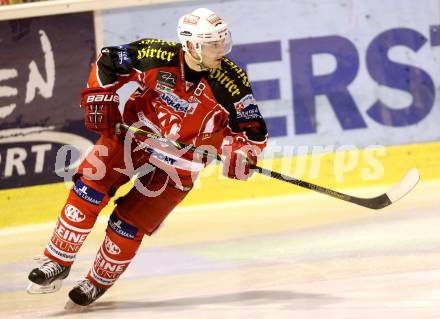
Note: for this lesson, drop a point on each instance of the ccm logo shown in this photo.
(103, 98)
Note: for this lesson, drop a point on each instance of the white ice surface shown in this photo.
(309, 257)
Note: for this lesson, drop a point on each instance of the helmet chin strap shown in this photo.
(202, 66)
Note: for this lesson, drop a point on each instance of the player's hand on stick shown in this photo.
(240, 157)
(213, 130)
(101, 110)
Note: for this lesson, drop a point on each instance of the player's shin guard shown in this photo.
(116, 252)
(75, 222)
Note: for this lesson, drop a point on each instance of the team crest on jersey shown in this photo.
(180, 105)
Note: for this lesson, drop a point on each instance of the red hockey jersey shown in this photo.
(178, 103)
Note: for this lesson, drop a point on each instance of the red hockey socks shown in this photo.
(116, 252)
(75, 222)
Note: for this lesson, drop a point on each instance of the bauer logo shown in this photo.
(111, 247)
(103, 98)
(74, 214)
(122, 228)
(87, 193)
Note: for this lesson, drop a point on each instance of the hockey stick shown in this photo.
(408, 182)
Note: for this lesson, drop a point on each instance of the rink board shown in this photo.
(389, 54)
(38, 204)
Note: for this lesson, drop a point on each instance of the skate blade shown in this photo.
(34, 289)
(73, 307)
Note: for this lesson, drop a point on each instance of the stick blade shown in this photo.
(407, 184)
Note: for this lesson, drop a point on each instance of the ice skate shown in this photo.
(47, 277)
(83, 294)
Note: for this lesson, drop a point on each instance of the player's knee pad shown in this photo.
(120, 245)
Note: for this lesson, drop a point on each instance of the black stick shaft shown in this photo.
(373, 203)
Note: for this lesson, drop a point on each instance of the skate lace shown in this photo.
(88, 289)
(51, 269)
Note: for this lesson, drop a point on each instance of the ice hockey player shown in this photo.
(189, 92)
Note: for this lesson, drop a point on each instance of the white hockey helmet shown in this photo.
(204, 28)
